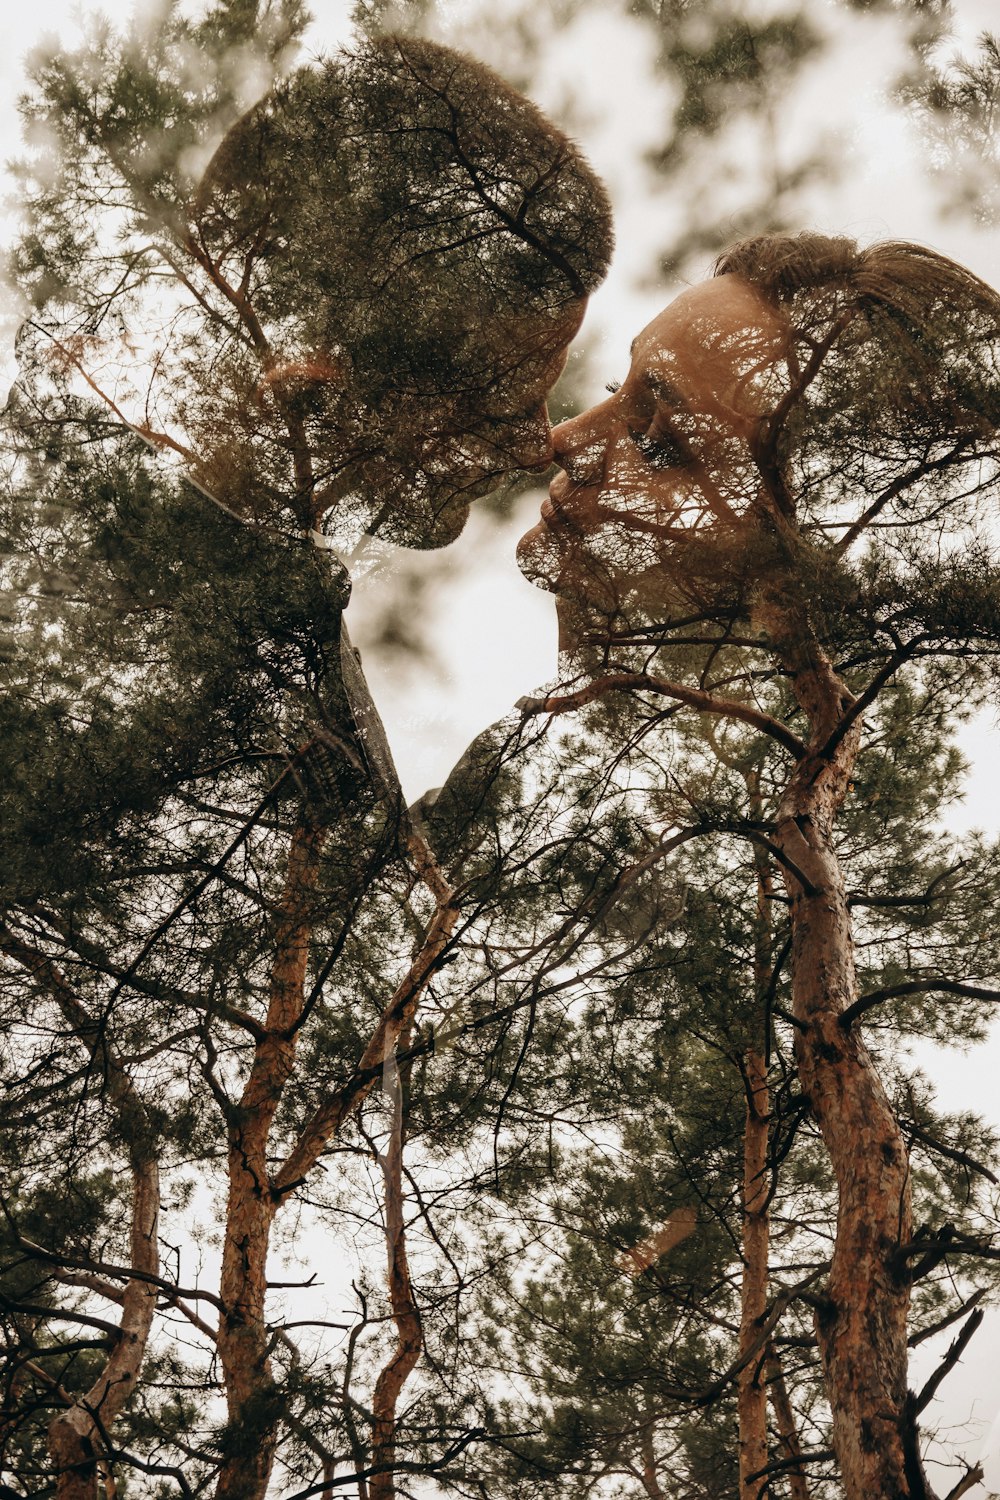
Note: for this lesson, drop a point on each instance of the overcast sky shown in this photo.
(493, 636)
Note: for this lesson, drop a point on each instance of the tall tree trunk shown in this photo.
(255, 1194)
(752, 1391)
(861, 1323)
(78, 1436)
(784, 1421)
(650, 1476)
(243, 1341)
(405, 1313)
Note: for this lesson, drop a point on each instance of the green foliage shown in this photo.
(370, 283)
(734, 64)
(953, 96)
(359, 307)
(181, 641)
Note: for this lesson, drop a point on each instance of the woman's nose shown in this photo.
(579, 445)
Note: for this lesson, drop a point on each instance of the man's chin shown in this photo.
(425, 528)
(443, 520)
(539, 560)
(446, 527)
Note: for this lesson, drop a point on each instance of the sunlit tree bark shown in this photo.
(861, 1321)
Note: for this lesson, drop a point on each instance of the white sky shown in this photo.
(494, 635)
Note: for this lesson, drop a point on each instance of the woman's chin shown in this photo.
(539, 560)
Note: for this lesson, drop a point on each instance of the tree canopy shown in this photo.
(557, 1134)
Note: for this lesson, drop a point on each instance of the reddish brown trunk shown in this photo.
(752, 1393)
(862, 1324)
(253, 1416)
(787, 1429)
(650, 1476)
(752, 1390)
(255, 1195)
(405, 1314)
(332, 1113)
(77, 1436)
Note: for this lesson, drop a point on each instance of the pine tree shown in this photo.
(217, 916)
(729, 582)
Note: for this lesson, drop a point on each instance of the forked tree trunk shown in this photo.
(243, 1339)
(255, 1193)
(862, 1321)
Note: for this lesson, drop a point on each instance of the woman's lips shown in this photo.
(553, 506)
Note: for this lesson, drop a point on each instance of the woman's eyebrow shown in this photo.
(662, 389)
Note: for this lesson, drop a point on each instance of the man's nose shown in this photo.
(561, 440)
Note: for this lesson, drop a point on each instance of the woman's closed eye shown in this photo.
(661, 447)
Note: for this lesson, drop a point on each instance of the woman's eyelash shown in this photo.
(613, 387)
(662, 451)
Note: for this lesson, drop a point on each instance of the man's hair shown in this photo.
(420, 236)
(418, 173)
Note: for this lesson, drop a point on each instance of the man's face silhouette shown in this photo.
(465, 454)
(398, 249)
(667, 454)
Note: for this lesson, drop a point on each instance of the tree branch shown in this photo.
(914, 987)
(692, 697)
(956, 1349)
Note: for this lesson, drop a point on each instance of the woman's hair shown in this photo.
(908, 340)
(895, 275)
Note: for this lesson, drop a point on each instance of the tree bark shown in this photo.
(251, 1397)
(784, 1420)
(255, 1194)
(405, 1313)
(650, 1476)
(861, 1323)
(752, 1390)
(77, 1437)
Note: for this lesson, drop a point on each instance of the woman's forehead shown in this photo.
(724, 317)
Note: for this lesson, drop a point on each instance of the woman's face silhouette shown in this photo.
(669, 452)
